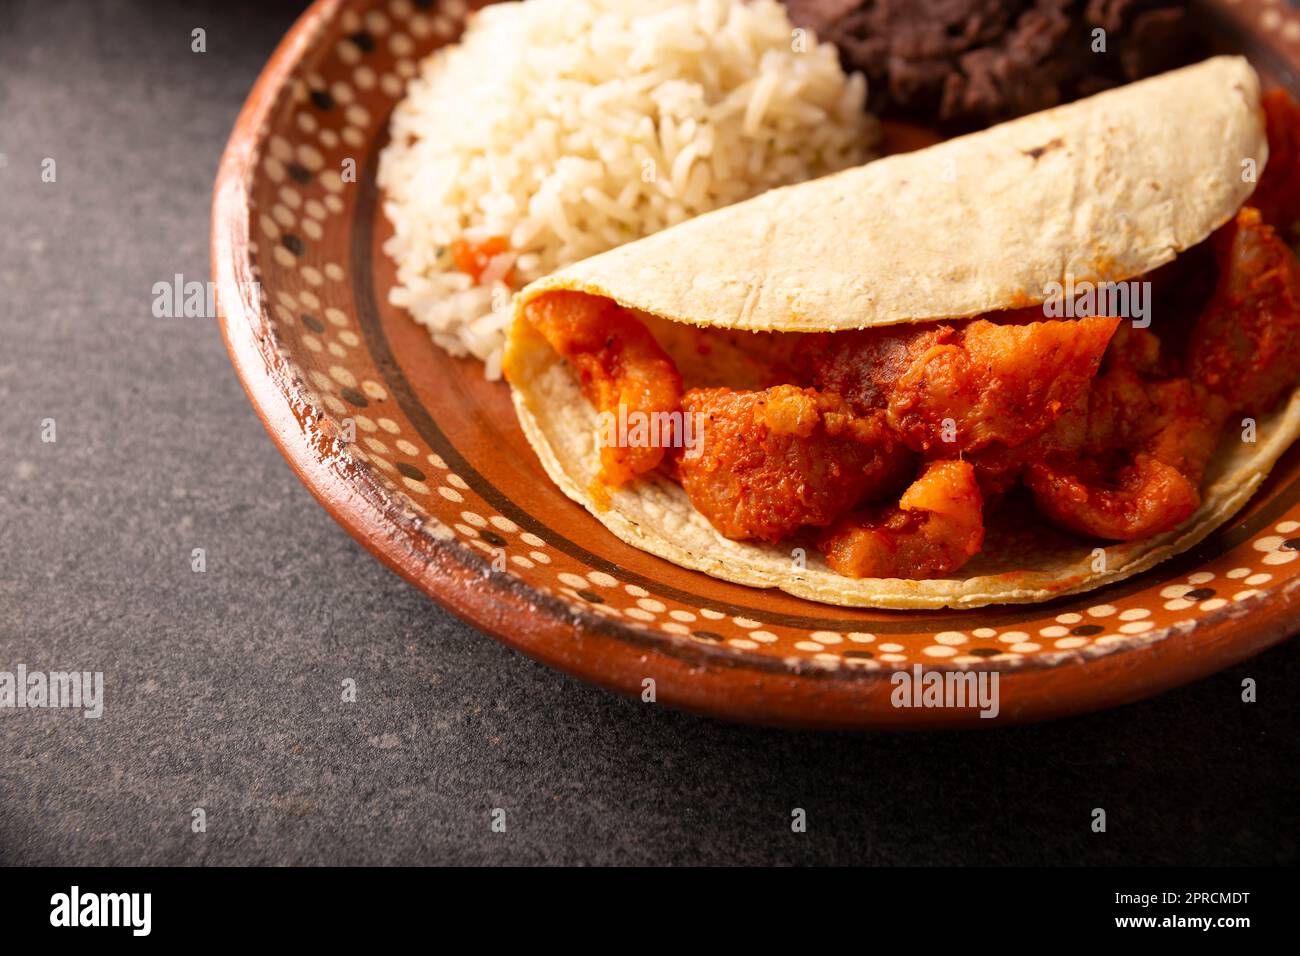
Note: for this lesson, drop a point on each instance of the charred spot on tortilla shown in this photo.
(885, 390)
(1037, 152)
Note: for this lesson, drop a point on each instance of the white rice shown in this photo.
(572, 126)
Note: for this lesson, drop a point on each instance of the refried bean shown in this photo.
(963, 64)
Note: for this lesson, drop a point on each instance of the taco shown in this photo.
(1019, 364)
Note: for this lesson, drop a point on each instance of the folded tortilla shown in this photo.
(1101, 190)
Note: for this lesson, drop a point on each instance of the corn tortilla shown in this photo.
(1105, 189)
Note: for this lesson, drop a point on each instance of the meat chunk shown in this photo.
(937, 526)
(1127, 462)
(1131, 464)
(1142, 499)
(1134, 404)
(774, 461)
(622, 369)
(950, 390)
(1246, 344)
(1278, 195)
(864, 367)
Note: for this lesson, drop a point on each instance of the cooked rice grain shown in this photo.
(572, 126)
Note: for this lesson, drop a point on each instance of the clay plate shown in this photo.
(422, 461)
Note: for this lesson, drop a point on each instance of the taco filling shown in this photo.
(884, 448)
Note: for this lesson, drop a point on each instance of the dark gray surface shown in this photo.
(222, 688)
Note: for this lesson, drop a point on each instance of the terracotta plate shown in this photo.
(422, 461)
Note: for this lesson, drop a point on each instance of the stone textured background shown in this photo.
(222, 688)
